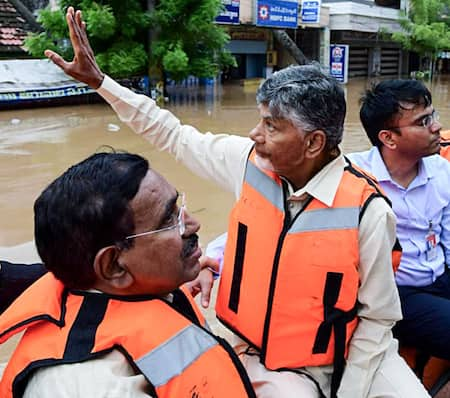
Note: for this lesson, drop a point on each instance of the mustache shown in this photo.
(189, 246)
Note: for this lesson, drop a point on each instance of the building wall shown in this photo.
(363, 16)
(358, 23)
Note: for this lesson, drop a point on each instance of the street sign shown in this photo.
(277, 13)
(230, 13)
(311, 11)
(339, 62)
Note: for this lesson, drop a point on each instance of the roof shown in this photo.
(15, 22)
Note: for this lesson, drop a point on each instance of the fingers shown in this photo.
(74, 31)
(209, 262)
(84, 38)
(56, 59)
(206, 284)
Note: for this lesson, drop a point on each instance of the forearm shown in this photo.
(219, 158)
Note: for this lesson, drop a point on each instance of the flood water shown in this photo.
(37, 145)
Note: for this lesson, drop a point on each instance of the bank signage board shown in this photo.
(339, 62)
(230, 12)
(277, 13)
(310, 11)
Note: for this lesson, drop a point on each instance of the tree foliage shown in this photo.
(187, 41)
(426, 27)
(117, 31)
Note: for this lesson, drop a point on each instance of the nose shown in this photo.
(435, 126)
(191, 225)
(257, 134)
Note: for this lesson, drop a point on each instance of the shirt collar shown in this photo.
(379, 170)
(323, 186)
(377, 167)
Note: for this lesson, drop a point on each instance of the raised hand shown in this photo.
(83, 67)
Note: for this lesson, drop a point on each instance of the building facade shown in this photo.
(357, 23)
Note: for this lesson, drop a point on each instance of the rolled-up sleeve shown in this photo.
(220, 158)
(378, 300)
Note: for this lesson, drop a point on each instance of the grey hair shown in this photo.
(307, 96)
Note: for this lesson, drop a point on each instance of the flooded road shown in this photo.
(37, 145)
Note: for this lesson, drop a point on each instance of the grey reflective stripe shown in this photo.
(265, 185)
(326, 219)
(174, 355)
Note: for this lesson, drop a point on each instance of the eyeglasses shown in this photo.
(427, 121)
(180, 224)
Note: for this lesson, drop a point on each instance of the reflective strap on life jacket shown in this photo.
(326, 219)
(177, 353)
(265, 185)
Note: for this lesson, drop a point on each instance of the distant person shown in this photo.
(445, 144)
(109, 319)
(307, 282)
(404, 129)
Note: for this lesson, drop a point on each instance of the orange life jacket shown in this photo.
(445, 144)
(169, 343)
(289, 287)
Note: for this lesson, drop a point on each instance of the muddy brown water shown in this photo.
(37, 145)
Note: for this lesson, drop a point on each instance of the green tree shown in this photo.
(188, 41)
(116, 29)
(426, 28)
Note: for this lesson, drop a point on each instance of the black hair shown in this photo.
(86, 209)
(381, 104)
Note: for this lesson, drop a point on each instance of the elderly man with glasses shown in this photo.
(404, 128)
(110, 318)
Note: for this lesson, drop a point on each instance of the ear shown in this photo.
(109, 271)
(388, 138)
(315, 143)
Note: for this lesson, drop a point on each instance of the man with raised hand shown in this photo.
(307, 282)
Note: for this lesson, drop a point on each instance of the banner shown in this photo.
(230, 14)
(277, 13)
(339, 62)
(311, 11)
(46, 93)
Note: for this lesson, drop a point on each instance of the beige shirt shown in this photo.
(221, 158)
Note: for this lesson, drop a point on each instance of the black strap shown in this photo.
(238, 268)
(336, 320)
(183, 306)
(81, 338)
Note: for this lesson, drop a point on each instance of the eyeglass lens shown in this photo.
(427, 121)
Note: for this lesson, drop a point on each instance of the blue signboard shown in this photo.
(40, 94)
(277, 13)
(310, 11)
(230, 14)
(339, 62)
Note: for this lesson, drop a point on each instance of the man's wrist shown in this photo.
(97, 82)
